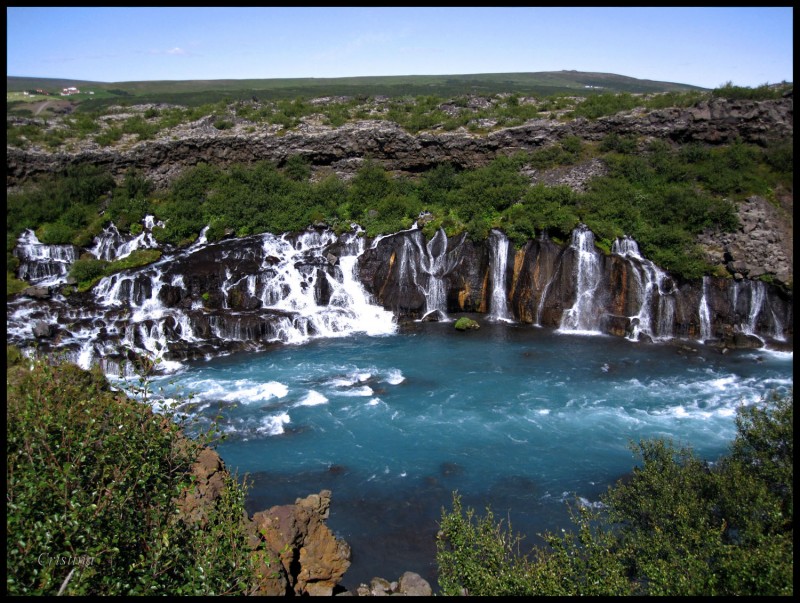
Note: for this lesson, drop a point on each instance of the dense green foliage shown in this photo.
(93, 480)
(61, 208)
(678, 526)
(660, 194)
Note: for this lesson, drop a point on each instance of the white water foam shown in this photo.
(312, 398)
(274, 424)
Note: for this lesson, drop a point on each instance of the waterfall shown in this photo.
(372, 318)
(583, 315)
(778, 333)
(757, 295)
(653, 291)
(298, 288)
(499, 261)
(705, 314)
(434, 264)
(292, 284)
(112, 245)
(42, 264)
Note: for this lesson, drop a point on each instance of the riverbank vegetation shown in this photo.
(679, 526)
(94, 483)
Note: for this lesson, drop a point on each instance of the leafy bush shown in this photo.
(677, 526)
(55, 233)
(93, 479)
(764, 92)
(86, 270)
(13, 284)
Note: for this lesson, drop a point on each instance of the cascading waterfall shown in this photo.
(372, 318)
(291, 285)
(499, 261)
(291, 288)
(778, 333)
(434, 263)
(582, 316)
(757, 295)
(112, 245)
(130, 309)
(758, 301)
(705, 314)
(42, 264)
(652, 292)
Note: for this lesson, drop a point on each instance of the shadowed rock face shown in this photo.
(543, 286)
(246, 294)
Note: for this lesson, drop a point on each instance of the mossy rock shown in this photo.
(465, 324)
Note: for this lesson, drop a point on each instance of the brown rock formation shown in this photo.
(295, 552)
(312, 557)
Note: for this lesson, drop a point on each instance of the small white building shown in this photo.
(69, 91)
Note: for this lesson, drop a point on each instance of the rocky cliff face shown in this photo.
(247, 294)
(574, 288)
(342, 149)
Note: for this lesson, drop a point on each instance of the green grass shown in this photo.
(194, 92)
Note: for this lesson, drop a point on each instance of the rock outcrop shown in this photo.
(343, 149)
(313, 559)
(542, 286)
(762, 246)
(295, 552)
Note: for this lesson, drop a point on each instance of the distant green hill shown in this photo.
(192, 92)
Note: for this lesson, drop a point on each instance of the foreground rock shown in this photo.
(296, 553)
(410, 584)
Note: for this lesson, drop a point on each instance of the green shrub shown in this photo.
(13, 284)
(109, 136)
(86, 270)
(92, 483)
(55, 233)
(223, 124)
(677, 526)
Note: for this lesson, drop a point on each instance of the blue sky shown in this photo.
(701, 46)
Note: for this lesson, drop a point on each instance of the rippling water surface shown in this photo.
(516, 417)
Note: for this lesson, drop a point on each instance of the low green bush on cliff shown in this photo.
(93, 480)
(87, 271)
(678, 526)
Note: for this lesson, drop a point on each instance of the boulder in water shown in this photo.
(465, 324)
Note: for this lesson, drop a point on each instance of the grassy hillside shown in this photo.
(193, 92)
